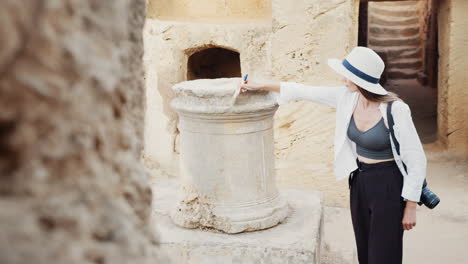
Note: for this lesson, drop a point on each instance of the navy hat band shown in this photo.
(359, 73)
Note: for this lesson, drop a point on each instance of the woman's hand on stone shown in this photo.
(251, 85)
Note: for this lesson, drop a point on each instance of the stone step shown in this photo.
(405, 65)
(397, 3)
(407, 71)
(393, 74)
(408, 13)
(402, 48)
(393, 20)
(412, 42)
(395, 36)
(406, 60)
(395, 7)
(391, 32)
(415, 53)
(409, 53)
(400, 51)
(384, 21)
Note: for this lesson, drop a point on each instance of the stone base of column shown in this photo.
(295, 240)
(192, 212)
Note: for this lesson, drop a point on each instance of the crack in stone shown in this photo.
(448, 134)
(328, 10)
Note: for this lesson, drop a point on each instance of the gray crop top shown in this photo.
(374, 143)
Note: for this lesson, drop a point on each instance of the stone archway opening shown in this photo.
(213, 62)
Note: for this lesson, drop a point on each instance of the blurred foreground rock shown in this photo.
(72, 189)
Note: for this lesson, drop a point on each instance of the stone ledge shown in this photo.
(295, 240)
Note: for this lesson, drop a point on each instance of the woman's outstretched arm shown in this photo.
(290, 91)
(261, 85)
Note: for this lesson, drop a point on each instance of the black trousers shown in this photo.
(377, 212)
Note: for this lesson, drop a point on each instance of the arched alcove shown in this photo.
(213, 63)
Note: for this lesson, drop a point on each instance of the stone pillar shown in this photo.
(72, 188)
(226, 158)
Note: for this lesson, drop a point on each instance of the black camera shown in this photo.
(428, 198)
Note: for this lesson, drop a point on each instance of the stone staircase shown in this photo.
(394, 32)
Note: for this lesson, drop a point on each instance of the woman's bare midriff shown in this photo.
(367, 160)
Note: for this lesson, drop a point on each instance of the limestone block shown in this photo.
(216, 11)
(307, 33)
(296, 240)
(452, 94)
(304, 36)
(226, 157)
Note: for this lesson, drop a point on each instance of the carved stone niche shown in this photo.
(227, 164)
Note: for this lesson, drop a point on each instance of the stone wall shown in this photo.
(453, 62)
(209, 10)
(293, 46)
(304, 36)
(72, 189)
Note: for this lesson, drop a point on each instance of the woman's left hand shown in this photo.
(409, 216)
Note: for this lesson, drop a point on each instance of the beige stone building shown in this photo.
(73, 115)
(423, 42)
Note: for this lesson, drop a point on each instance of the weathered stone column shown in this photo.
(226, 158)
(72, 188)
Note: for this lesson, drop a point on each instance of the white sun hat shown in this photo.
(362, 66)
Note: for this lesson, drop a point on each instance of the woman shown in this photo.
(383, 196)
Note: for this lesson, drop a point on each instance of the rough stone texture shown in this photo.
(72, 189)
(453, 62)
(305, 35)
(293, 46)
(296, 240)
(209, 10)
(214, 97)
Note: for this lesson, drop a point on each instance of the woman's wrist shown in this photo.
(271, 86)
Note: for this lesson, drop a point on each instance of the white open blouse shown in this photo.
(339, 97)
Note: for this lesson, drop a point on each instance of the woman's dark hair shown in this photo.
(391, 96)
